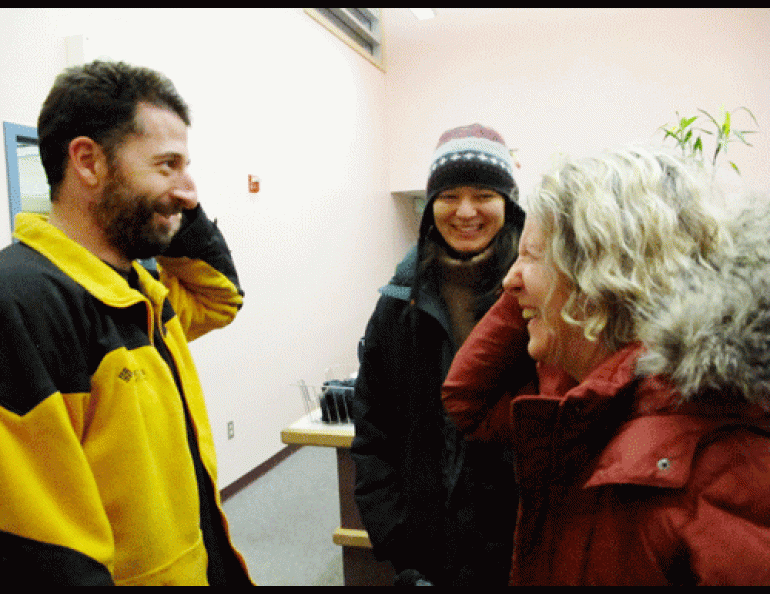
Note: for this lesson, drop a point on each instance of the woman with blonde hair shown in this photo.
(643, 456)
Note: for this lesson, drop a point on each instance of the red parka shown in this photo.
(622, 483)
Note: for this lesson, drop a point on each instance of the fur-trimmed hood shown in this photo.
(714, 334)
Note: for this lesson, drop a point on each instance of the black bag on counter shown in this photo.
(335, 400)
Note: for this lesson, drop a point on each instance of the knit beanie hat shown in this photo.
(474, 156)
(471, 155)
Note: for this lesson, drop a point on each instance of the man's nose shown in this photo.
(185, 192)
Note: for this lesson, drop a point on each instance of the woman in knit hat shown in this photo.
(439, 508)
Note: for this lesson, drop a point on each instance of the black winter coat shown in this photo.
(430, 500)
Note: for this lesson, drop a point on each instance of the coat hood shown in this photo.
(406, 269)
(714, 333)
(400, 286)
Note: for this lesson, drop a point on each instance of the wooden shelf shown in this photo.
(409, 193)
(351, 537)
(310, 430)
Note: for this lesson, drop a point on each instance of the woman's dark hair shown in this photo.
(98, 100)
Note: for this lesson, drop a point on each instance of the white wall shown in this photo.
(572, 80)
(272, 94)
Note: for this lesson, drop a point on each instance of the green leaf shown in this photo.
(690, 142)
(698, 146)
(739, 135)
(710, 117)
(747, 110)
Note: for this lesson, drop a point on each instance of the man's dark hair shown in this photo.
(98, 100)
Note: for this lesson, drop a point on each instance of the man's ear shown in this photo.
(88, 161)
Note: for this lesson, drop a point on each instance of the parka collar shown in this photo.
(657, 445)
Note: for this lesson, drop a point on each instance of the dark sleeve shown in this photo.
(200, 239)
(375, 449)
(198, 270)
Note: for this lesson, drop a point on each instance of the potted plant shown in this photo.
(687, 134)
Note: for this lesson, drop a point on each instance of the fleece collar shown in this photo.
(94, 275)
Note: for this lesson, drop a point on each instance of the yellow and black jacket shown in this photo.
(103, 426)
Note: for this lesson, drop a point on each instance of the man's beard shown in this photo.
(127, 221)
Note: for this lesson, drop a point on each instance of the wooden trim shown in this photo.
(350, 537)
(309, 431)
(316, 438)
(257, 472)
(377, 60)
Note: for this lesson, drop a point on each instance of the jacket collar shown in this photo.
(655, 446)
(400, 287)
(94, 275)
(653, 451)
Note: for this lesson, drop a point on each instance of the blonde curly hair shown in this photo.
(622, 226)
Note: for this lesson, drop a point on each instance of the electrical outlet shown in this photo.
(230, 429)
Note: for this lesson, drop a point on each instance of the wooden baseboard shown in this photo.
(257, 472)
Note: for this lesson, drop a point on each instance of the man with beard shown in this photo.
(108, 470)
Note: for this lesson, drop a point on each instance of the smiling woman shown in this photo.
(543, 292)
(468, 218)
(626, 460)
(434, 505)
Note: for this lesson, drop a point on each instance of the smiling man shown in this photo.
(108, 467)
(148, 187)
